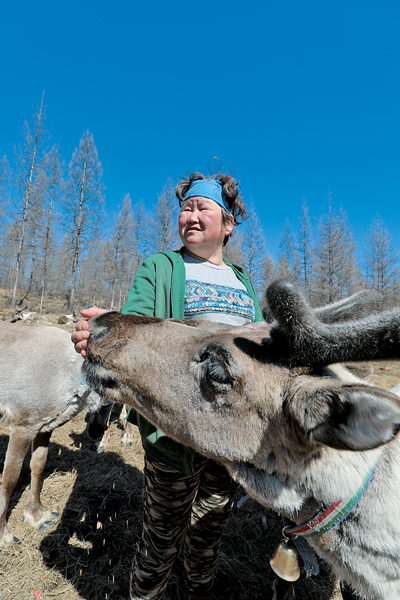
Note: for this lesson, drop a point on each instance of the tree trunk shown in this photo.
(26, 204)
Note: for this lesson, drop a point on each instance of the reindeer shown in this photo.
(296, 429)
(41, 388)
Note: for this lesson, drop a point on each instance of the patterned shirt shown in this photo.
(214, 293)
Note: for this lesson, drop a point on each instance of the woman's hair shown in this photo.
(231, 192)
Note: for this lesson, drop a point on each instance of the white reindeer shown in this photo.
(41, 388)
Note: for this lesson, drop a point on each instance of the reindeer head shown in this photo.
(258, 397)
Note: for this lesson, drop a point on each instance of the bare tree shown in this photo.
(5, 174)
(269, 270)
(233, 250)
(53, 181)
(61, 277)
(140, 238)
(9, 238)
(92, 284)
(336, 274)
(29, 161)
(288, 264)
(253, 246)
(382, 260)
(165, 220)
(7, 250)
(305, 249)
(121, 246)
(326, 263)
(349, 275)
(32, 239)
(84, 198)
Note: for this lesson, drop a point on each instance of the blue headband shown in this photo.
(208, 188)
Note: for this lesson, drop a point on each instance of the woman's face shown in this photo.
(201, 224)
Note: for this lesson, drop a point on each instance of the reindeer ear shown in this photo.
(358, 418)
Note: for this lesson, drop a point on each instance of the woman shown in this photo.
(186, 496)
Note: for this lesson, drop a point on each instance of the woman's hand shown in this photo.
(80, 336)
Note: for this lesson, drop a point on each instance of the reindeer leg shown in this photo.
(99, 427)
(35, 513)
(127, 427)
(100, 445)
(18, 445)
(128, 435)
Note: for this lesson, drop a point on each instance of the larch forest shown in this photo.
(56, 239)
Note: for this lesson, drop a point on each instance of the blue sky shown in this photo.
(299, 98)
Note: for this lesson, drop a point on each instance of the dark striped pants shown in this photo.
(176, 504)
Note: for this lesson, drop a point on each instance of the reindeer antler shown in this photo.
(357, 306)
(313, 343)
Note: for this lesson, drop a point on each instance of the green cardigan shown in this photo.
(158, 290)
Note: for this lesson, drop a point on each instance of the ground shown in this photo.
(88, 553)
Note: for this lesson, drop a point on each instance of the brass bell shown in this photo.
(284, 561)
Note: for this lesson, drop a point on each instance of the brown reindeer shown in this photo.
(41, 388)
(297, 430)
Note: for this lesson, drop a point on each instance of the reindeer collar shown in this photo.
(329, 517)
(285, 562)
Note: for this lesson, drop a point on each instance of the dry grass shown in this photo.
(88, 553)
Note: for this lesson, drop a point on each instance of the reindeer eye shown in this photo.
(216, 366)
(218, 372)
